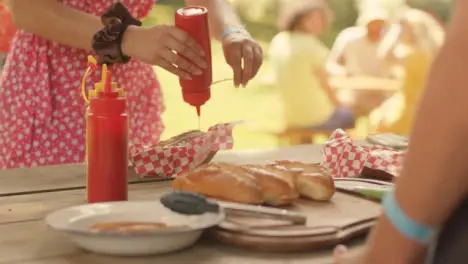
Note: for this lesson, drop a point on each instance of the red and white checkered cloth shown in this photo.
(168, 161)
(343, 158)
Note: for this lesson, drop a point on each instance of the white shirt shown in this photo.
(359, 53)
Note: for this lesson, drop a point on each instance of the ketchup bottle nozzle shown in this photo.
(92, 63)
(106, 78)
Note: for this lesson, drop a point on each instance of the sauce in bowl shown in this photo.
(128, 227)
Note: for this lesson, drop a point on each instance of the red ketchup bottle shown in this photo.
(106, 142)
(194, 21)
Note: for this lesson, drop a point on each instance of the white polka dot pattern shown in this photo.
(42, 118)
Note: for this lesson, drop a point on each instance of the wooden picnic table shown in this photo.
(27, 195)
(363, 94)
(365, 83)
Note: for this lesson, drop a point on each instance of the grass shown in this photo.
(227, 104)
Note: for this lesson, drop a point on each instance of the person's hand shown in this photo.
(166, 46)
(342, 256)
(244, 55)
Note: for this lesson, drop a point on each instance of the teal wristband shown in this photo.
(404, 224)
(231, 30)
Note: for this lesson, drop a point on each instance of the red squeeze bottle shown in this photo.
(194, 21)
(107, 143)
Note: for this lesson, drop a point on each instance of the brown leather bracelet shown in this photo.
(107, 42)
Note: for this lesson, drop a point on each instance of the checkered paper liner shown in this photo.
(343, 158)
(167, 161)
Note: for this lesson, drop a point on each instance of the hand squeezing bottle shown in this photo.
(106, 140)
(194, 21)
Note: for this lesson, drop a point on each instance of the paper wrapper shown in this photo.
(168, 160)
(343, 158)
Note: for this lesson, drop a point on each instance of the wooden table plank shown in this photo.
(34, 243)
(27, 239)
(22, 208)
(365, 83)
(73, 176)
(45, 178)
(304, 153)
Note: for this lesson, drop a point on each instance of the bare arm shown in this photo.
(241, 51)
(322, 76)
(336, 60)
(222, 15)
(434, 179)
(54, 21)
(386, 50)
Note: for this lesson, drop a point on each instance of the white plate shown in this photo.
(389, 140)
(353, 182)
(76, 221)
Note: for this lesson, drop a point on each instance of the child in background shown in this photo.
(412, 43)
(7, 31)
(298, 59)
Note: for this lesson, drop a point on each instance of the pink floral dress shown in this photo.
(42, 114)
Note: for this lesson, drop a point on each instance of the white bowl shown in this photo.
(76, 221)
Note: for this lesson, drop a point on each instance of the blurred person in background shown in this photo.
(354, 52)
(42, 119)
(354, 60)
(7, 31)
(298, 57)
(412, 43)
